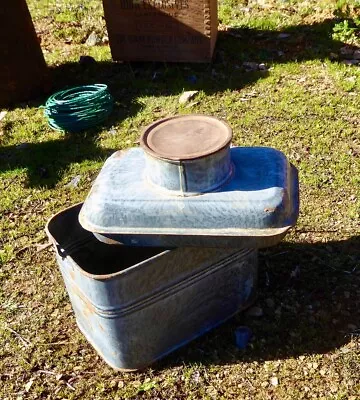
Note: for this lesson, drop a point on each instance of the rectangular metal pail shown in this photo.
(137, 304)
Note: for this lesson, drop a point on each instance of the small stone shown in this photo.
(121, 384)
(283, 35)
(347, 51)
(2, 115)
(254, 312)
(301, 358)
(295, 273)
(334, 388)
(262, 67)
(280, 53)
(264, 384)
(351, 62)
(74, 182)
(250, 66)
(274, 381)
(93, 39)
(186, 96)
(105, 40)
(196, 377)
(356, 55)
(29, 384)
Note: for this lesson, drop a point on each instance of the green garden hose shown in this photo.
(79, 108)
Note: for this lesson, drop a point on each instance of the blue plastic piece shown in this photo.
(242, 336)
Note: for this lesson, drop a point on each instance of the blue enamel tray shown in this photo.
(255, 204)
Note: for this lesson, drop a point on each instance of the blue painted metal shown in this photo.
(189, 177)
(187, 154)
(135, 305)
(254, 208)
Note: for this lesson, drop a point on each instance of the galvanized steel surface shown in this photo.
(187, 154)
(255, 208)
(190, 177)
(137, 305)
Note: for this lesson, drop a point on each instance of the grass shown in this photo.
(306, 105)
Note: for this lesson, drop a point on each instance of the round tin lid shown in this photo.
(185, 137)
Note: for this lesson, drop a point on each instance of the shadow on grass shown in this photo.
(128, 81)
(47, 161)
(234, 47)
(310, 297)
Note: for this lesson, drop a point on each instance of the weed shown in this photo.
(347, 31)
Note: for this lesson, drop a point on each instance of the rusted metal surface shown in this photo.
(23, 72)
(255, 207)
(186, 137)
(135, 305)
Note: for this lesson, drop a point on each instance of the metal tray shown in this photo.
(254, 208)
(135, 305)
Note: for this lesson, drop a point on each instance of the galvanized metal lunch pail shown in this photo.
(137, 304)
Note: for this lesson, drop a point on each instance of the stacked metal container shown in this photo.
(164, 248)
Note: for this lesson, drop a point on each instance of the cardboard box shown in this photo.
(161, 30)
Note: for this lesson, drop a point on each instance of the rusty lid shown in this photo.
(186, 137)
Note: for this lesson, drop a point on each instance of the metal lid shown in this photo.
(186, 137)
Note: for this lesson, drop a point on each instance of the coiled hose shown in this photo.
(79, 108)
